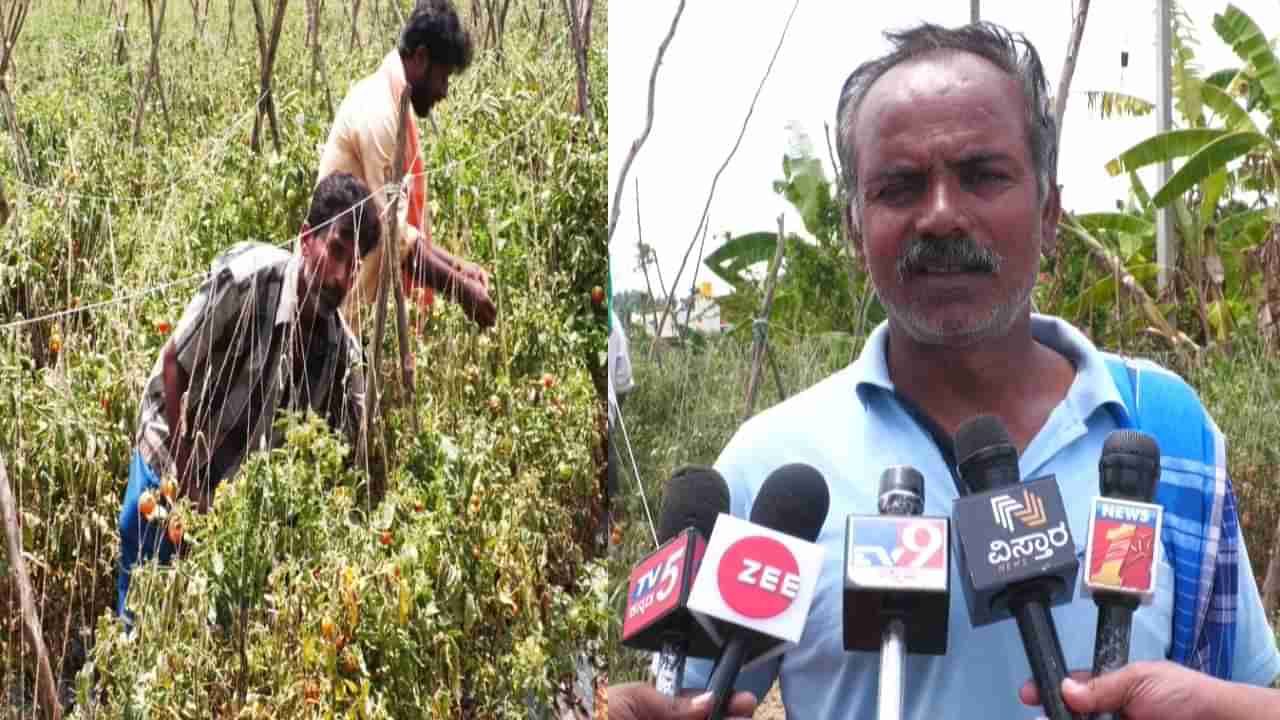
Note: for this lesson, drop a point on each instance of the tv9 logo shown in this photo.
(886, 541)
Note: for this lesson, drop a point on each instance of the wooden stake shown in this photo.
(46, 691)
(760, 339)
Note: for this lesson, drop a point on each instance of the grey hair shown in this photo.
(1011, 52)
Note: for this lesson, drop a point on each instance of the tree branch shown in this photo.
(648, 125)
(707, 207)
(1069, 65)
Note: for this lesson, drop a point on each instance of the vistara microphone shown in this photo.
(657, 616)
(1124, 542)
(1016, 553)
(759, 577)
(897, 582)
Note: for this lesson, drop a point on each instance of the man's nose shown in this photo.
(942, 214)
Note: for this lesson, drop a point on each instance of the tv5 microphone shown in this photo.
(657, 615)
(1124, 542)
(1016, 553)
(759, 577)
(897, 582)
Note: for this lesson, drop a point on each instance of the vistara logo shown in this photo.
(1030, 512)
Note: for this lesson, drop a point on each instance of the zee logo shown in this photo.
(898, 542)
(758, 577)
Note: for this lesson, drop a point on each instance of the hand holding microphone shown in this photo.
(657, 615)
(758, 578)
(1124, 541)
(1016, 553)
(897, 582)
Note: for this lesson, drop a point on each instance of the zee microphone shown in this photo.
(759, 577)
(657, 616)
(897, 582)
(1016, 553)
(1124, 539)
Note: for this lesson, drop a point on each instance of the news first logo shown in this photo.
(897, 553)
(1016, 514)
(1123, 546)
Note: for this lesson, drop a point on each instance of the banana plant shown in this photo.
(1212, 246)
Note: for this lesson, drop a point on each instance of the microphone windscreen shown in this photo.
(694, 496)
(793, 500)
(1129, 466)
(978, 434)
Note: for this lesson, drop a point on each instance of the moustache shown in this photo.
(960, 254)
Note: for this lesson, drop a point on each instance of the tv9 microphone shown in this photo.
(1124, 542)
(657, 615)
(758, 578)
(1016, 553)
(897, 582)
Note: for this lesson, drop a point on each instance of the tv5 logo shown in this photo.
(886, 541)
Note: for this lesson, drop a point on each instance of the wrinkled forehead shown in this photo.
(948, 89)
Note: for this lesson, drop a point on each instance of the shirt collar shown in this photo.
(1093, 387)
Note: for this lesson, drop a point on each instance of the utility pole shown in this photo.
(975, 12)
(1165, 251)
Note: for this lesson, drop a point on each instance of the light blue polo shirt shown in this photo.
(851, 427)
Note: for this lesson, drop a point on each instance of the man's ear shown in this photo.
(305, 235)
(853, 231)
(1049, 216)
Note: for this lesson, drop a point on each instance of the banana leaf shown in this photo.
(1209, 159)
(1165, 146)
(1245, 38)
(1227, 108)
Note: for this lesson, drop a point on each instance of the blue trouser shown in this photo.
(139, 539)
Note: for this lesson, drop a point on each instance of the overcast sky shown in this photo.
(719, 54)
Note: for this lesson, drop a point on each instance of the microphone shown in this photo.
(1124, 539)
(897, 582)
(657, 616)
(1016, 553)
(761, 575)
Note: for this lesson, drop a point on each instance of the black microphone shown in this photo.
(897, 582)
(1016, 553)
(1124, 537)
(794, 501)
(657, 617)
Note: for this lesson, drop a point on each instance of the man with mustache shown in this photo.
(949, 149)
(262, 334)
(433, 46)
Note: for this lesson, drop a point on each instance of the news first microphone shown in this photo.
(1124, 542)
(657, 616)
(897, 582)
(1016, 554)
(758, 578)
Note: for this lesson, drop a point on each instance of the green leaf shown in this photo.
(1165, 146)
(1140, 191)
(1115, 222)
(731, 259)
(1246, 39)
(1227, 108)
(1212, 189)
(1209, 159)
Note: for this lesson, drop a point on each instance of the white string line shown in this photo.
(294, 238)
(626, 442)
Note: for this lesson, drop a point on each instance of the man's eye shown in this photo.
(897, 191)
(985, 177)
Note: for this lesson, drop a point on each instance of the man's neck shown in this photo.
(1013, 377)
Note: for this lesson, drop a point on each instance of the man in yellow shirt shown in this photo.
(433, 46)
